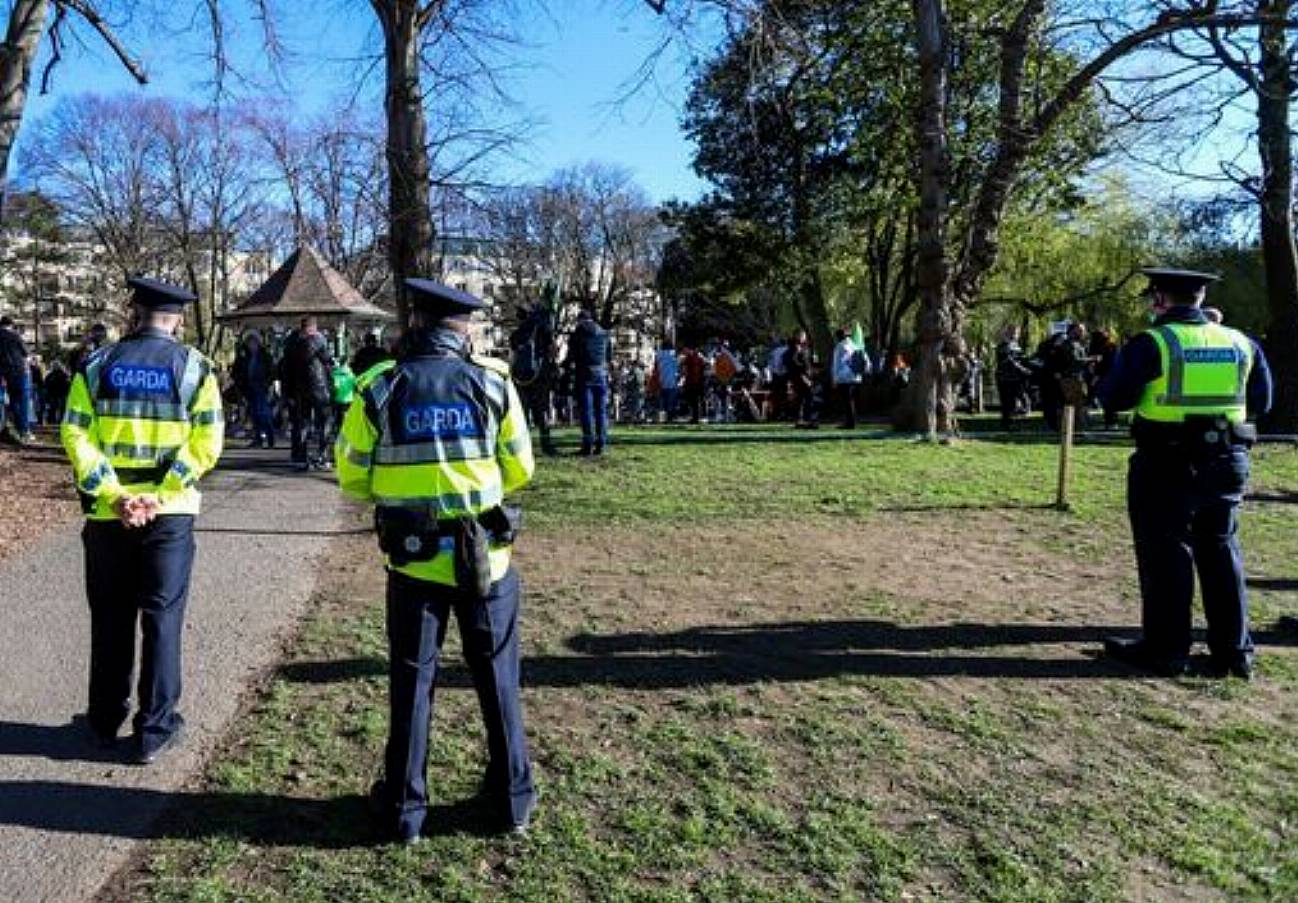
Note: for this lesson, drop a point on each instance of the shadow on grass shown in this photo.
(969, 506)
(269, 819)
(248, 531)
(796, 651)
(827, 433)
(1282, 498)
(1279, 584)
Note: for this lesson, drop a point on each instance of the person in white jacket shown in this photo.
(850, 366)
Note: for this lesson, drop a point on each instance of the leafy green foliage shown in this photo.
(804, 123)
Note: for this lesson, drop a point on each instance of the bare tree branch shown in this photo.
(428, 12)
(56, 47)
(88, 12)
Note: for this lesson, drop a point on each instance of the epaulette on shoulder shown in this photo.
(364, 379)
(494, 364)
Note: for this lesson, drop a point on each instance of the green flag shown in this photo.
(858, 337)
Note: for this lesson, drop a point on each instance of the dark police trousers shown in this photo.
(1184, 514)
(137, 578)
(417, 616)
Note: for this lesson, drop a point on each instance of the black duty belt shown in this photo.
(1197, 433)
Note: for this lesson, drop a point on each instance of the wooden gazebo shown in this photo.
(306, 285)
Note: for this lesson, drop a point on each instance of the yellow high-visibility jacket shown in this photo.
(1204, 370)
(143, 417)
(440, 432)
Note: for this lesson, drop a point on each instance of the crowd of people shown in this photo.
(1066, 368)
(34, 388)
(712, 381)
(296, 384)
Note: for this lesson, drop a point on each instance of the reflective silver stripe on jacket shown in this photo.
(77, 418)
(497, 393)
(356, 456)
(92, 374)
(155, 453)
(446, 505)
(142, 410)
(379, 390)
(192, 377)
(437, 452)
(205, 418)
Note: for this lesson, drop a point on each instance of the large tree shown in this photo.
(1260, 58)
(1051, 58)
(29, 22)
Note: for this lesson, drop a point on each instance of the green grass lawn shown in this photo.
(719, 713)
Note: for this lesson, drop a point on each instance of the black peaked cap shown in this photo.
(159, 295)
(435, 298)
(1178, 282)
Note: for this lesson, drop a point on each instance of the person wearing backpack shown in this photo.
(532, 367)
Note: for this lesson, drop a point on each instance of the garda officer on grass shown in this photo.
(1193, 385)
(435, 440)
(143, 423)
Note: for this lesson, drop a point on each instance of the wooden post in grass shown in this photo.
(1065, 456)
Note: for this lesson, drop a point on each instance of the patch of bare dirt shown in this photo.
(36, 493)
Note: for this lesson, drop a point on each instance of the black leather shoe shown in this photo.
(147, 755)
(520, 826)
(99, 740)
(383, 811)
(1137, 654)
(1232, 667)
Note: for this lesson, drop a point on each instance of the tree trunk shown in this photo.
(17, 53)
(410, 221)
(1013, 141)
(923, 408)
(817, 314)
(1279, 255)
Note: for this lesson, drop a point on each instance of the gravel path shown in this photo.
(67, 821)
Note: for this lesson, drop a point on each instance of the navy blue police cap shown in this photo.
(159, 296)
(1176, 282)
(442, 300)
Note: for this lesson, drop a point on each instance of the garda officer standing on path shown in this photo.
(1193, 385)
(435, 441)
(143, 423)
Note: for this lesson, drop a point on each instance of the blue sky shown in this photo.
(576, 57)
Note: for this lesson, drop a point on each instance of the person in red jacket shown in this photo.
(695, 373)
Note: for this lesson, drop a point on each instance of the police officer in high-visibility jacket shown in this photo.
(1194, 385)
(435, 441)
(143, 423)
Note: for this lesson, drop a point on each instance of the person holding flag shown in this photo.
(850, 366)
